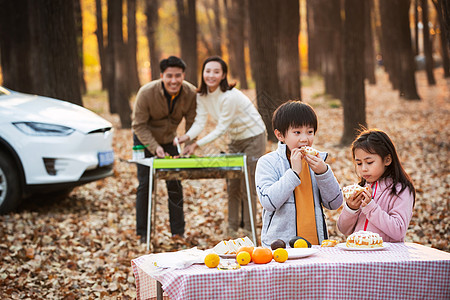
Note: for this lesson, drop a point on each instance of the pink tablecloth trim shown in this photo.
(402, 271)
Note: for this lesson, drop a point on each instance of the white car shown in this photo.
(49, 146)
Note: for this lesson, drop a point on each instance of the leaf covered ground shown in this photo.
(81, 247)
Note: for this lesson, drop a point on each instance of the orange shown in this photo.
(300, 243)
(248, 249)
(261, 255)
(212, 260)
(243, 258)
(280, 255)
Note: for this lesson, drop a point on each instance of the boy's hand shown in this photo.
(296, 160)
(316, 164)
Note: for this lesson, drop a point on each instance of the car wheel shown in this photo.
(10, 191)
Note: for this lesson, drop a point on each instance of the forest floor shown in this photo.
(82, 247)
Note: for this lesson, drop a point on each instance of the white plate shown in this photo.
(300, 252)
(344, 246)
(228, 255)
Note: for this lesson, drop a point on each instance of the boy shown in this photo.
(292, 187)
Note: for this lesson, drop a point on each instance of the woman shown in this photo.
(236, 115)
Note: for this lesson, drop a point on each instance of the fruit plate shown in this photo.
(228, 255)
(344, 246)
(300, 252)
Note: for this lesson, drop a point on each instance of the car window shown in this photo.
(4, 91)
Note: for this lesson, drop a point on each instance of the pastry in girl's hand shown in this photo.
(309, 150)
(353, 189)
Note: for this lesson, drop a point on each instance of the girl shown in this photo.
(235, 114)
(387, 206)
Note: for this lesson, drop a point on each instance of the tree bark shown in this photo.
(79, 32)
(264, 57)
(100, 43)
(188, 37)
(313, 48)
(354, 102)
(416, 27)
(427, 48)
(235, 14)
(369, 49)
(443, 33)
(152, 27)
(288, 53)
(118, 90)
(133, 74)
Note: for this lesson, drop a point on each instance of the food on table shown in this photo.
(228, 265)
(212, 260)
(261, 255)
(248, 249)
(243, 258)
(364, 239)
(231, 246)
(353, 189)
(280, 255)
(302, 244)
(329, 243)
(278, 244)
(309, 150)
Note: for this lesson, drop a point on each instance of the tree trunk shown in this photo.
(100, 43)
(118, 90)
(416, 27)
(79, 32)
(15, 44)
(54, 57)
(264, 57)
(188, 37)
(354, 101)
(133, 74)
(443, 42)
(288, 53)
(313, 48)
(369, 51)
(408, 88)
(152, 27)
(427, 47)
(235, 14)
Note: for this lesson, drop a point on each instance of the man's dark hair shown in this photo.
(172, 61)
(293, 114)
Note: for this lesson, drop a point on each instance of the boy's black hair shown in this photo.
(294, 113)
(171, 61)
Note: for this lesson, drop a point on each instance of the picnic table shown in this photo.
(215, 166)
(399, 271)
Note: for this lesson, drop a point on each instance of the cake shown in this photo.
(231, 246)
(328, 243)
(364, 239)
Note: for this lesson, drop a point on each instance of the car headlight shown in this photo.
(43, 129)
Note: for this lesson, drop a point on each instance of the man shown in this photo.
(160, 107)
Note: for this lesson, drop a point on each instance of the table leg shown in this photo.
(249, 198)
(159, 291)
(149, 213)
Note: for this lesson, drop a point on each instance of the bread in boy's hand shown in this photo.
(309, 150)
(353, 189)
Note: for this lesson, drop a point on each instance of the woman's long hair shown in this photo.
(224, 85)
(378, 142)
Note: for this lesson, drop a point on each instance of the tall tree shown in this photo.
(313, 47)
(213, 15)
(288, 53)
(187, 22)
(152, 26)
(235, 14)
(100, 42)
(427, 47)
(133, 75)
(354, 101)
(79, 32)
(264, 58)
(15, 44)
(118, 89)
(443, 42)
(369, 49)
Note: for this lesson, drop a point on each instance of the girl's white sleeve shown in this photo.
(200, 120)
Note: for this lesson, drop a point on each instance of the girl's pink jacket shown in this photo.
(388, 215)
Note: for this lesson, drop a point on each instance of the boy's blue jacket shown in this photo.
(275, 184)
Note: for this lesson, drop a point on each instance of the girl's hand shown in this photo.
(296, 160)
(354, 202)
(366, 197)
(182, 139)
(316, 164)
(188, 150)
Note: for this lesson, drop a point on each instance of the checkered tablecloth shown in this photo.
(401, 271)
